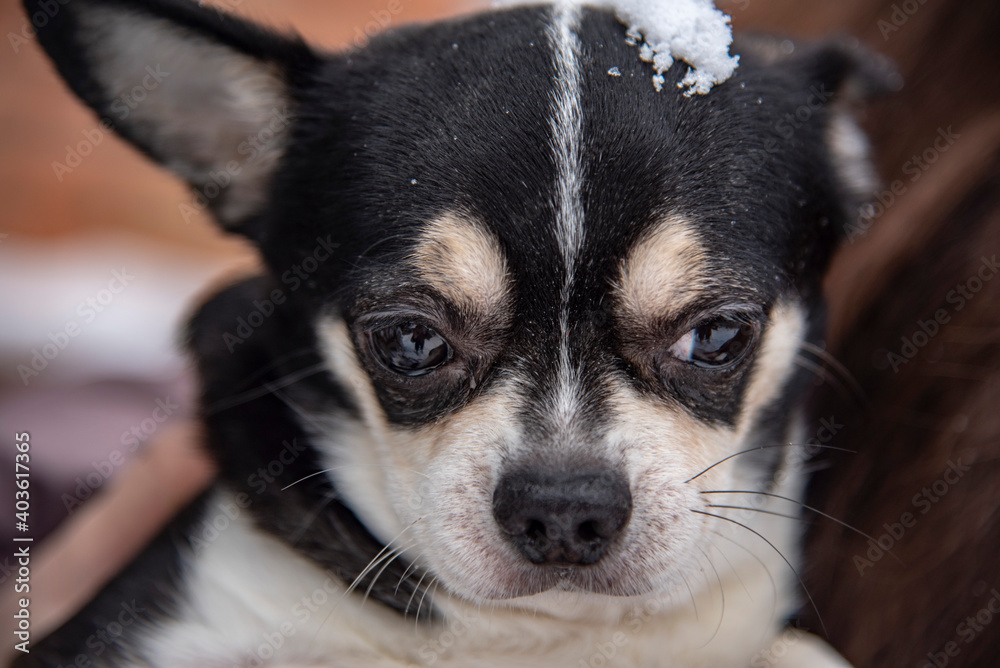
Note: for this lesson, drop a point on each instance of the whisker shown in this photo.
(276, 362)
(376, 560)
(412, 568)
(354, 466)
(767, 572)
(694, 605)
(722, 594)
(356, 261)
(434, 584)
(732, 568)
(371, 585)
(298, 410)
(372, 564)
(769, 447)
(378, 557)
(820, 372)
(385, 553)
(845, 374)
(807, 507)
(304, 478)
(265, 389)
(757, 510)
(414, 593)
(312, 517)
(785, 559)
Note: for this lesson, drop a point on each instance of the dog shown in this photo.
(522, 383)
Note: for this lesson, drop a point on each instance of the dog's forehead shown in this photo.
(502, 121)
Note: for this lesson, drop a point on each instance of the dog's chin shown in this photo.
(589, 594)
(525, 580)
(485, 570)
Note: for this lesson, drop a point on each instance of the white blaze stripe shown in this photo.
(567, 126)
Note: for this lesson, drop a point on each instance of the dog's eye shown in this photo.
(714, 344)
(410, 349)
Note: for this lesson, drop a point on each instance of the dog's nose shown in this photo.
(562, 518)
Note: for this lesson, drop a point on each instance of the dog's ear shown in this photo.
(853, 75)
(849, 70)
(209, 96)
(841, 76)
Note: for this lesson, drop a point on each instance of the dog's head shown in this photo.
(544, 295)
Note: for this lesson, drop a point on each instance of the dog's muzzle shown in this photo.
(562, 518)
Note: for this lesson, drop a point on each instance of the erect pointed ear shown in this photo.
(209, 96)
(843, 76)
(848, 69)
(854, 75)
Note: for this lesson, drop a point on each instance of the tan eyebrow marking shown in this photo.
(465, 263)
(662, 273)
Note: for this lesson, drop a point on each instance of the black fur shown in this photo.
(455, 117)
(249, 398)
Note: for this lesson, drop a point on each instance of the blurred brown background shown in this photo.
(66, 228)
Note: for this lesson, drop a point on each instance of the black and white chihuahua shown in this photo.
(522, 384)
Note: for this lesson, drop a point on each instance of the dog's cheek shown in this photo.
(662, 450)
(426, 488)
(672, 458)
(373, 465)
(452, 513)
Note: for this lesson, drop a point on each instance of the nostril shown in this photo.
(587, 532)
(536, 532)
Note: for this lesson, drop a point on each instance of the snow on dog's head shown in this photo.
(693, 31)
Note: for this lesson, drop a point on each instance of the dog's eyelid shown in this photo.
(702, 314)
(381, 319)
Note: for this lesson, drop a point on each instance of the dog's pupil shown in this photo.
(411, 349)
(719, 342)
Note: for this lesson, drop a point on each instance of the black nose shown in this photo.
(562, 518)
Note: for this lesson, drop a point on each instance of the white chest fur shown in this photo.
(250, 600)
